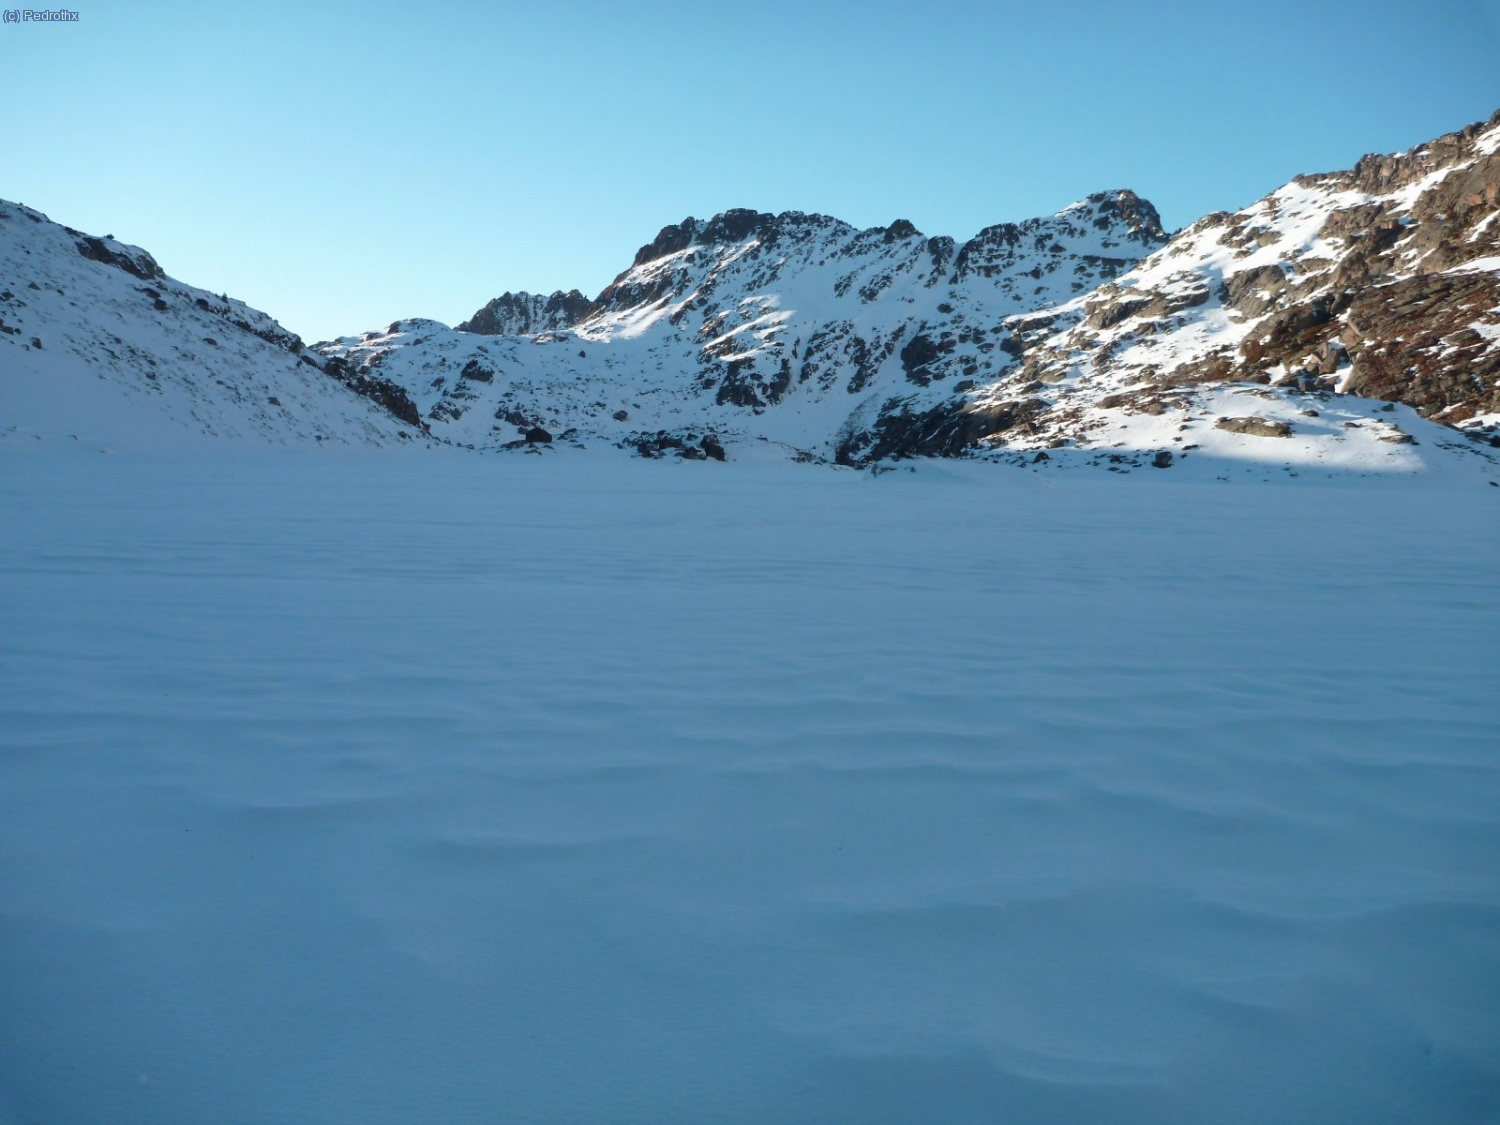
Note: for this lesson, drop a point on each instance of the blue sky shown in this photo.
(341, 165)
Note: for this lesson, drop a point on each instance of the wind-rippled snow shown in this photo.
(385, 789)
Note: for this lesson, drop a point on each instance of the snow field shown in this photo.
(384, 787)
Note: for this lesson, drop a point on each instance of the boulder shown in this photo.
(1254, 426)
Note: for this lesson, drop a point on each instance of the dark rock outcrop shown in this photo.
(479, 372)
(947, 430)
(1413, 341)
(1254, 426)
(131, 259)
(688, 446)
(383, 392)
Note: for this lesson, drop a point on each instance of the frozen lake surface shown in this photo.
(385, 789)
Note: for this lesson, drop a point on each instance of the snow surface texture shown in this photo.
(426, 787)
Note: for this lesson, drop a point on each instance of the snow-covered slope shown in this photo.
(97, 344)
(794, 328)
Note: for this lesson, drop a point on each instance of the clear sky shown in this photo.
(342, 164)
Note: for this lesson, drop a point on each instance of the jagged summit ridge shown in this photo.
(801, 321)
(1075, 330)
(734, 225)
(1110, 228)
(526, 314)
(1122, 213)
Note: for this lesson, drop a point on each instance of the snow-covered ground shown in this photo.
(383, 787)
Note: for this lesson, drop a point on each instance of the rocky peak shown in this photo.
(1123, 208)
(670, 239)
(526, 314)
(1109, 231)
(737, 224)
(661, 269)
(734, 225)
(901, 228)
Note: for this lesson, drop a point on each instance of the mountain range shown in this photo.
(1348, 320)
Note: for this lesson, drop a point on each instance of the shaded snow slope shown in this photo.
(780, 795)
(98, 345)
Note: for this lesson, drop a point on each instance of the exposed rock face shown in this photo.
(1129, 228)
(526, 314)
(1382, 281)
(479, 372)
(687, 446)
(131, 259)
(945, 430)
(383, 392)
(1421, 341)
(1255, 427)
